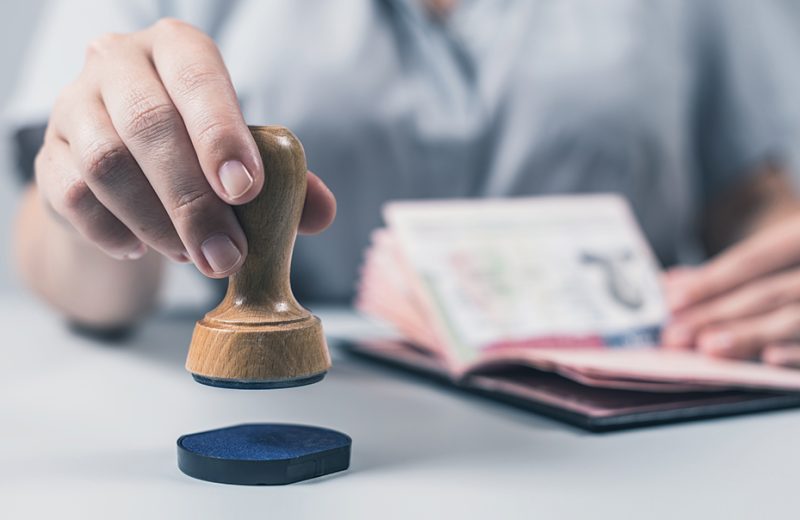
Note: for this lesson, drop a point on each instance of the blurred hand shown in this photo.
(148, 148)
(743, 304)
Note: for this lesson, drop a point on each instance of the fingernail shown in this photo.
(716, 342)
(137, 253)
(220, 253)
(235, 178)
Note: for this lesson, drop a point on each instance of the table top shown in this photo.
(88, 430)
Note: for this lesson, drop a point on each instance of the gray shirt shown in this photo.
(668, 103)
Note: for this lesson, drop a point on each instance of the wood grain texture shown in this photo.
(259, 332)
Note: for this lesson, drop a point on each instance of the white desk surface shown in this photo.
(88, 430)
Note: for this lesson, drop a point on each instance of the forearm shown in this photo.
(75, 277)
(763, 199)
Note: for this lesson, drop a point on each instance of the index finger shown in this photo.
(772, 250)
(196, 79)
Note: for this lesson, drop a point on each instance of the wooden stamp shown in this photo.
(259, 336)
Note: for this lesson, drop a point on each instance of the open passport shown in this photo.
(550, 303)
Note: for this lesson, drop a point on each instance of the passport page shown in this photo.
(572, 271)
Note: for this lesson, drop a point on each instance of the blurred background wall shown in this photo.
(16, 28)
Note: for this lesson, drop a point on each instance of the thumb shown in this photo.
(319, 209)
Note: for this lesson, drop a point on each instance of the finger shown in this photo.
(681, 288)
(782, 354)
(144, 117)
(745, 339)
(69, 196)
(673, 282)
(319, 209)
(774, 249)
(754, 298)
(112, 174)
(676, 336)
(198, 83)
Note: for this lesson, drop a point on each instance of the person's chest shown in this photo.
(500, 86)
(505, 98)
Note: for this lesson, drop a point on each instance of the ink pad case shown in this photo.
(263, 453)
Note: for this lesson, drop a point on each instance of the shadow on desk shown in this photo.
(163, 339)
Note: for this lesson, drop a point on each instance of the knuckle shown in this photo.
(109, 235)
(170, 24)
(194, 76)
(149, 119)
(168, 27)
(191, 203)
(161, 233)
(102, 160)
(213, 132)
(155, 226)
(76, 196)
(103, 45)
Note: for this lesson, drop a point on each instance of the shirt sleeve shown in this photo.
(748, 112)
(54, 58)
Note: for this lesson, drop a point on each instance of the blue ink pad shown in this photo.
(263, 454)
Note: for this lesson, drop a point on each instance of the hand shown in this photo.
(148, 148)
(743, 304)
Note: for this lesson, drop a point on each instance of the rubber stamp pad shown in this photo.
(263, 454)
